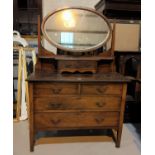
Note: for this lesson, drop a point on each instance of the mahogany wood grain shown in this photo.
(46, 77)
(101, 89)
(52, 89)
(76, 119)
(104, 103)
(77, 66)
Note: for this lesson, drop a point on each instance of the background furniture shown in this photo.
(129, 64)
(21, 112)
(21, 65)
(120, 9)
(24, 60)
(17, 82)
(25, 14)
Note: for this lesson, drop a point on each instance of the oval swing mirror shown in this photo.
(76, 29)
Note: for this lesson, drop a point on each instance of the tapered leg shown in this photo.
(119, 133)
(31, 122)
(32, 148)
(31, 141)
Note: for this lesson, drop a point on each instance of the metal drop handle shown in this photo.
(54, 105)
(99, 120)
(56, 90)
(101, 90)
(100, 104)
(55, 122)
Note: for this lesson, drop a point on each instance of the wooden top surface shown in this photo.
(101, 77)
(59, 57)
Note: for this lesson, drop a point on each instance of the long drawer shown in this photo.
(77, 119)
(111, 103)
(48, 89)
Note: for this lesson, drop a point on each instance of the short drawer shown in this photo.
(76, 65)
(48, 89)
(76, 119)
(111, 103)
(100, 89)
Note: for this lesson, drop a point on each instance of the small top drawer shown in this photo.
(100, 89)
(48, 89)
(77, 66)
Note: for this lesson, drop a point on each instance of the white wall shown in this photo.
(51, 5)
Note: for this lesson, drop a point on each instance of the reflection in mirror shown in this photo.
(76, 30)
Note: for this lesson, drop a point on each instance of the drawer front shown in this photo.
(100, 89)
(78, 119)
(48, 89)
(79, 103)
(76, 65)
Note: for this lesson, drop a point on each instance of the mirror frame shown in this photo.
(58, 46)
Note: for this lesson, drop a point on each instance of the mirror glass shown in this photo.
(76, 29)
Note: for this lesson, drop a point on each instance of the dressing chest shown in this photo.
(78, 88)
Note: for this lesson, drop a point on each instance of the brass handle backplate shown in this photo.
(100, 104)
(101, 90)
(54, 105)
(55, 122)
(99, 120)
(56, 90)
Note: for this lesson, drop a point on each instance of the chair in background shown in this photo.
(24, 52)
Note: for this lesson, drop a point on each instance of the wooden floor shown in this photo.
(90, 144)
